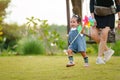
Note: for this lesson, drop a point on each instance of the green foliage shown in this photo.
(116, 47)
(30, 45)
(90, 50)
(62, 44)
(8, 52)
(1, 33)
(51, 37)
(3, 5)
(62, 31)
(11, 34)
(41, 30)
(93, 48)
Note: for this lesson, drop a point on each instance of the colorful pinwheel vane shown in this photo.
(88, 21)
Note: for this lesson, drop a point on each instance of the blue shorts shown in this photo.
(79, 44)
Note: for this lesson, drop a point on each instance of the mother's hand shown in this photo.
(118, 25)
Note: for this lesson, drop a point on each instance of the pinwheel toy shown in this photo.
(88, 21)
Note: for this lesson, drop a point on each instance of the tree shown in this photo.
(77, 7)
(3, 5)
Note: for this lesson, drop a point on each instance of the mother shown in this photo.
(103, 26)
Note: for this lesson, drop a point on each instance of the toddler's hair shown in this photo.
(77, 17)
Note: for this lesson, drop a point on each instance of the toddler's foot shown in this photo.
(69, 64)
(86, 64)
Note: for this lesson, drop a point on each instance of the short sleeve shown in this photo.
(91, 6)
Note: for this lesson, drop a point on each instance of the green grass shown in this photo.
(53, 68)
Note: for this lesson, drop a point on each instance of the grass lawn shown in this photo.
(53, 68)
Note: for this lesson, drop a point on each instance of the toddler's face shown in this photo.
(73, 23)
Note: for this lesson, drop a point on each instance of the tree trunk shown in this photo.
(77, 7)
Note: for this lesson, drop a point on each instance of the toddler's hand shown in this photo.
(83, 28)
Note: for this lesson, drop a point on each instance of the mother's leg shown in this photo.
(103, 41)
(95, 34)
(101, 38)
